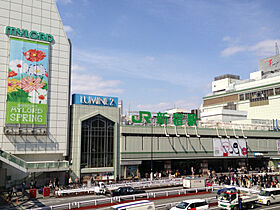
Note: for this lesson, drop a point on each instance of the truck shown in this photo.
(194, 182)
(232, 200)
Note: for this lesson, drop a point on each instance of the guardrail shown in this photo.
(117, 199)
(138, 185)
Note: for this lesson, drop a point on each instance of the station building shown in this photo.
(34, 86)
(234, 130)
(43, 138)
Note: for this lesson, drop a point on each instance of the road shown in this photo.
(57, 201)
(51, 201)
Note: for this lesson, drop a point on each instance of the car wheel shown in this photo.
(235, 208)
(268, 203)
(251, 205)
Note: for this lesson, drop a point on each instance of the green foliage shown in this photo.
(18, 96)
(45, 87)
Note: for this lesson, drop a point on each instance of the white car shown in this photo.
(269, 195)
(197, 204)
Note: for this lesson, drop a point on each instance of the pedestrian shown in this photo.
(14, 191)
(23, 189)
(239, 202)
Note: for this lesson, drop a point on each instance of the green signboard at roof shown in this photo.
(177, 118)
(30, 35)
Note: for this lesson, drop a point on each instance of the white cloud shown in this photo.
(95, 85)
(190, 103)
(263, 48)
(67, 28)
(232, 50)
(166, 68)
(78, 68)
(226, 38)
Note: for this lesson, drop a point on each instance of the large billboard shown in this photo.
(27, 82)
(229, 147)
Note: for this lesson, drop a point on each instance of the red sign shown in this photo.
(46, 191)
(32, 193)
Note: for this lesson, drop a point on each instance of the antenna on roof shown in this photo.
(276, 49)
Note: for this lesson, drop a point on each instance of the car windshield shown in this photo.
(264, 193)
(182, 205)
(224, 196)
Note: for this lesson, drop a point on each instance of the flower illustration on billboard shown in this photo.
(37, 70)
(18, 67)
(13, 85)
(27, 82)
(34, 55)
(12, 74)
(38, 97)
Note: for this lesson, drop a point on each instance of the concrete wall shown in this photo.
(136, 143)
(41, 16)
(83, 112)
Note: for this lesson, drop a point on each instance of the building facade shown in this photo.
(35, 86)
(257, 98)
(95, 134)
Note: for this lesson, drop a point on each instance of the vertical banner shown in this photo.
(27, 82)
(229, 147)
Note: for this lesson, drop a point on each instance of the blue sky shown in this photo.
(159, 54)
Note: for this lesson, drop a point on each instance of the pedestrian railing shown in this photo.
(117, 199)
(34, 166)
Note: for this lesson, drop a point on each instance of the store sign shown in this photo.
(270, 64)
(95, 100)
(27, 87)
(177, 118)
(229, 147)
(30, 35)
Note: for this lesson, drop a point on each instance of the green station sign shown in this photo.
(178, 118)
(30, 35)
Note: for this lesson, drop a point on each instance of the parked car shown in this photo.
(126, 191)
(198, 204)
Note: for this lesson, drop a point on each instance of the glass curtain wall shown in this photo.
(97, 142)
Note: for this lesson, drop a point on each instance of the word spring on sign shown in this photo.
(162, 118)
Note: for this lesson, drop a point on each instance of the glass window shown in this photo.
(277, 91)
(247, 96)
(97, 142)
(182, 205)
(270, 92)
(241, 97)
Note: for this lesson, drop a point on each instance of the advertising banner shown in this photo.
(229, 147)
(27, 82)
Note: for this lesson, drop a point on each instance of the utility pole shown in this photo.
(152, 148)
